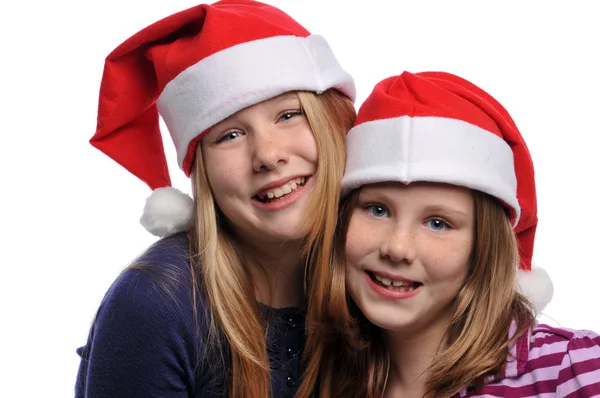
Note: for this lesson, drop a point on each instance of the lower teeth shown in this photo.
(403, 288)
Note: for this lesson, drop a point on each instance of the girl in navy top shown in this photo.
(258, 109)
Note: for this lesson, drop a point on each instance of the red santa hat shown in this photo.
(437, 127)
(196, 68)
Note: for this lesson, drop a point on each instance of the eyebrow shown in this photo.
(443, 209)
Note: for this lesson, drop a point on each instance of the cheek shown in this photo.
(312, 152)
(359, 241)
(451, 259)
(227, 186)
(306, 145)
(223, 173)
(355, 252)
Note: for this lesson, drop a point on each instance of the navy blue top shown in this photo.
(144, 341)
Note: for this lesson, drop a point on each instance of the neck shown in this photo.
(411, 355)
(278, 273)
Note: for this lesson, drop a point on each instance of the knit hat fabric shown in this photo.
(438, 127)
(196, 68)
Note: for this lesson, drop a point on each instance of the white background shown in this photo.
(69, 214)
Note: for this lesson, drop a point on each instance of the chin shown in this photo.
(389, 322)
(388, 317)
(286, 235)
(290, 228)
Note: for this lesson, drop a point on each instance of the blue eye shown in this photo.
(287, 115)
(436, 224)
(230, 135)
(377, 210)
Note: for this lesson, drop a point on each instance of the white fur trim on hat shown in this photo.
(232, 79)
(536, 286)
(167, 212)
(429, 148)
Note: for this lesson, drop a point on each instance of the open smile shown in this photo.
(280, 192)
(392, 287)
(279, 196)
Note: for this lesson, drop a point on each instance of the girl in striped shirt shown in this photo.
(432, 292)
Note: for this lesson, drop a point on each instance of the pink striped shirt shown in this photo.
(548, 362)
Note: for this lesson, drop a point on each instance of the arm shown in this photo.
(141, 343)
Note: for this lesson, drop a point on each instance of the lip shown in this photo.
(278, 183)
(286, 200)
(391, 294)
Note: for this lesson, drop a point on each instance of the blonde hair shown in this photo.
(477, 340)
(221, 272)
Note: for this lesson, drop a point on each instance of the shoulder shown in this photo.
(174, 248)
(155, 291)
(168, 257)
(572, 356)
(145, 330)
(550, 360)
(159, 279)
(547, 339)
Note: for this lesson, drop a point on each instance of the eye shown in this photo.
(287, 115)
(229, 135)
(437, 224)
(377, 210)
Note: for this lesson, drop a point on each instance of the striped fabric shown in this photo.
(548, 362)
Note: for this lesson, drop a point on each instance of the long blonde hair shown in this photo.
(220, 271)
(345, 355)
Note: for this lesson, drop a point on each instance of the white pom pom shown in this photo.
(536, 286)
(167, 212)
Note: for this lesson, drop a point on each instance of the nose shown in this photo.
(269, 151)
(399, 246)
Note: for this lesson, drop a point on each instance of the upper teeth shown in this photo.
(388, 282)
(285, 188)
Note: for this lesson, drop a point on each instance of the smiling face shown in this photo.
(407, 253)
(260, 164)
